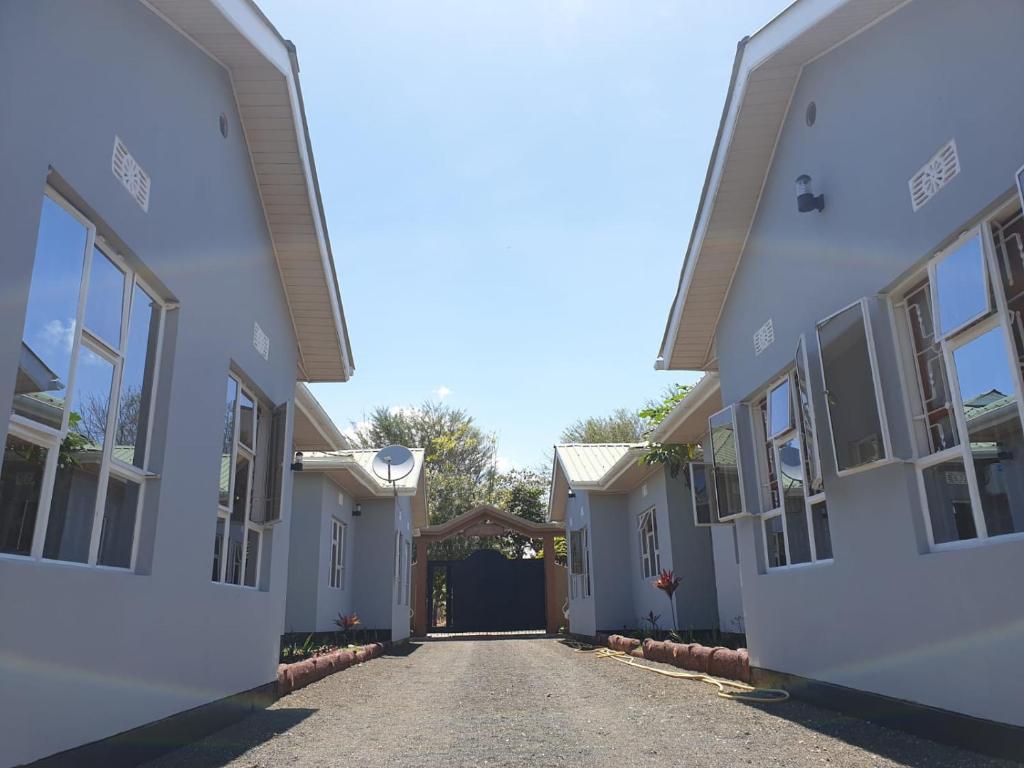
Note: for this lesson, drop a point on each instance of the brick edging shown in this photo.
(717, 661)
(292, 677)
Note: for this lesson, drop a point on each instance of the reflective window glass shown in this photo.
(44, 363)
(228, 443)
(850, 389)
(775, 539)
(949, 502)
(988, 395)
(218, 549)
(21, 482)
(960, 287)
(137, 380)
(779, 414)
(822, 533)
(246, 421)
(806, 416)
(726, 465)
(252, 553)
(105, 299)
(236, 539)
(239, 504)
(118, 526)
(701, 499)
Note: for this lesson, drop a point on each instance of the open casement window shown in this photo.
(701, 497)
(853, 394)
(75, 462)
(726, 471)
(795, 514)
(960, 293)
(336, 574)
(647, 530)
(238, 541)
(579, 564)
(805, 414)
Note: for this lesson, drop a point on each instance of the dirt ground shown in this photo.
(535, 702)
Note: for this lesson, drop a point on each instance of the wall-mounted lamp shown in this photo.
(806, 200)
(297, 463)
(572, 494)
(357, 510)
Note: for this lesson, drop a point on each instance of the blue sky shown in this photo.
(510, 188)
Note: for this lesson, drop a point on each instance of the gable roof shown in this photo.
(765, 75)
(264, 73)
(599, 467)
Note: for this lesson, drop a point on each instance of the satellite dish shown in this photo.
(393, 463)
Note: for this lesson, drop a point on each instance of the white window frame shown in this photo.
(731, 410)
(812, 444)
(336, 572)
(975, 233)
(795, 432)
(650, 555)
(50, 439)
(399, 557)
(876, 381)
(706, 469)
(224, 513)
(580, 586)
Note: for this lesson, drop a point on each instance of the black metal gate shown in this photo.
(486, 592)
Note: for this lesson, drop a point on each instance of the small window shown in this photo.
(650, 558)
(106, 296)
(961, 288)
(21, 486)
(579, 564)
(703, 514)
(780, 414)
(336, 573)
(852, 389)
(727, 480)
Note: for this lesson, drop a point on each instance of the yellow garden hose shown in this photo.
(727, 689)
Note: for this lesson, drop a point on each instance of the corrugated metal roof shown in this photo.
(361, 460)
(589, 463)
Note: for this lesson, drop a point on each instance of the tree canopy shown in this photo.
(620, 426)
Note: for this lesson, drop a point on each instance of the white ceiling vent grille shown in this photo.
(261, 341)
(764, 337)
(936, 173)
(130, 173)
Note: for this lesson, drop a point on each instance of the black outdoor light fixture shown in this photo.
(297, 463)
(806, 200)
(572, 494)
(357, 510)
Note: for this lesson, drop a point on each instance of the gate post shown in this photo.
(421, 608)
(553, 611)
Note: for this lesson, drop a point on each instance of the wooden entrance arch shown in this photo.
(486, 520)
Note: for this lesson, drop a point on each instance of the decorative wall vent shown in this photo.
(764, 337)
(261, 341)
(936, 173)
(130, 173)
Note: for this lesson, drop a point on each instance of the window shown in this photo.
(75, 460)
(336, 575)
(965, 353)
(647, 529)
(399, 557)
(703, 514)
(853, 396)
(579, 564)
(727, 478)
(808, 424)
(246, 461)
(408, 571)
(795, 520)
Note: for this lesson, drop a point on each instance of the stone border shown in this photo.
(717, 661)
(292, 677)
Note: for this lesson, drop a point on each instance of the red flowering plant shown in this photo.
(347, 622)
(668, 583)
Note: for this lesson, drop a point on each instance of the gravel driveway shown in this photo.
(537, 703)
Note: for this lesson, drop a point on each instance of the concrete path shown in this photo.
(535, 702)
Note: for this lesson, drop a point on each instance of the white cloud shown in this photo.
(442, 392)
(59, 334)
(503, 463)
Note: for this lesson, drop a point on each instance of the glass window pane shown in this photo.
(931, 372)
(701, 499)
(989, 399)
(228, 443)
(949, 502)
(822, 532)
(246, 421)
(960, 288)
(726, 465)
(775, 538)
(850, 389)
(105, 299)
(69, 529)
(40, 389)
(780, 417)
(118, 531)
(252, 554)
(21, 481)
(805, 414)
(239, 503)
(236, 537)
(771, 499)
(137, 380)
(791, 473)
(218, 549)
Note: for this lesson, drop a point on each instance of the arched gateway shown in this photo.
(490, 521)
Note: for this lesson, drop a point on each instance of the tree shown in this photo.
(673, 456)
(522, 492)
(621, 426)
